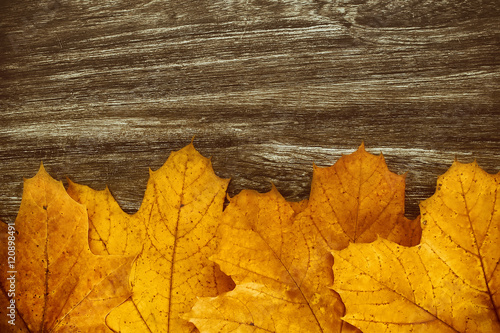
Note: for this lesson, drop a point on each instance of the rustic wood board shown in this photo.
(100, 91)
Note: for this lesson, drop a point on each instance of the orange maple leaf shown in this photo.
(174, 231)
(359, 199)
(450, 282)
(60, 285)
(280, 258)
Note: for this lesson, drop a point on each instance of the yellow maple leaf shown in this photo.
(60, 285)
(360, 199)
(450, 282)
(279, 253)
(174, 231)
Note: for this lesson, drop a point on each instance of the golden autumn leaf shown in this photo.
(60, 285)
(360, 199)
(174, 232)
(278, 289)
(278, 253)
(450, 282)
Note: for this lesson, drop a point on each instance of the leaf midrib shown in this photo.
(476, 243)
(293, 279)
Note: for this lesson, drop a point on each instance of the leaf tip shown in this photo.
(42, 172)
(71, 185)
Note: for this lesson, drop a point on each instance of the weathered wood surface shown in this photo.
(101, 90)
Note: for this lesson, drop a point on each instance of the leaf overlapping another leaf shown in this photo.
(174, 232)
(280, 258)
(73, 261)
(448, 283)
(61, 286)
(256, 251)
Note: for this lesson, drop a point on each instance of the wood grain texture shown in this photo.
(100, 91)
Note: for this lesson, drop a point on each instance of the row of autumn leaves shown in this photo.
(339, 262)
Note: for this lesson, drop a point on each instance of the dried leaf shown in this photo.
(255, 307)
(281, 260)
(74, 279)
(111, 230)
(360, 199)
(174, 231)
(262, 248)
(448, 283)
(60, 285)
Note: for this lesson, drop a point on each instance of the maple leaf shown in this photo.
(174, 231)
(450, 282)
(279, 253)
(60, 285)
(360, 199)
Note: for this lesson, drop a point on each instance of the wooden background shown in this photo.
(101, 90)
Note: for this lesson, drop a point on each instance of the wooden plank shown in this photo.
(100, 92)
